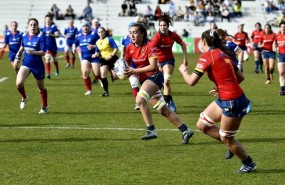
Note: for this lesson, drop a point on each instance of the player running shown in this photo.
(142, 53)
(33, 47)
(255, 37)
(231, 105)
(70, 33)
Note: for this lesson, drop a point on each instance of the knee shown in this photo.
(19, 84)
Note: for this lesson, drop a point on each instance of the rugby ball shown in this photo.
(120, 67)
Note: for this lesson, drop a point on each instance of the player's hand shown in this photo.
(130, 71)
(183, 69)
(95, 55)
(214, 92)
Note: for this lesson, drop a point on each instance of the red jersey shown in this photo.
(220, 69)
(267, 41)
(164, 45)
(280, 39)
(255, 36)
(241, 38)
(140, 57)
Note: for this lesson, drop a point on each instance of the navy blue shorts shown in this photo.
(37, 70)
(281, 58)
(12, 57)
(268, 55)
(235, 108)
(169, 62)
(255, 47)
(156, 78)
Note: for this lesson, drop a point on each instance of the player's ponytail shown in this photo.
(165, 17)
(213, 40)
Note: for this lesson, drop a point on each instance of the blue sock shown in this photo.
(183, 128)
(152, 127)
(247, 161)
(256, 65)
(282, 88)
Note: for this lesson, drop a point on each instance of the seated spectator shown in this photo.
(237, 10)
(55, 12)
(69, 13)
(179, 14)
(200, 8)
(132, 9)
(149, 13)
(216, 9)
(185, 33)
(267, 7)
(225, 13)
(209, 8)
(124, 7)
(210, 17)
(199, 21)
(87, 13)
(192, 6)
(187, 13)
(151, 30)
(172, 10)
(157, 13)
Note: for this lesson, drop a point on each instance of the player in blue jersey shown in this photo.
(106, 49)
(13, 39)
(86, 40)
(134, 81)
(70, 33)
(33, 46)
(51, 33)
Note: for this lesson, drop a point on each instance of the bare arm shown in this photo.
(190, 79)
(184, 49)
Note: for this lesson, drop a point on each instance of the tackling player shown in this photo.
(163, 40)
(13, 39)
(33, 46)
(231, 105)
(142, 53)
(51, 33)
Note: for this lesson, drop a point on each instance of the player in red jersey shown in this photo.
(280, 43)
(268, 55)
(255, 37)
(232, 104)
(143, 55)
(241, 39)
(163, 40)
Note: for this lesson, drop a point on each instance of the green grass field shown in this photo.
(95, 140)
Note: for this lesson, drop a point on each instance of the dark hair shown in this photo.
(166, 18)
(213, 40)
(14, 22)
(108, 32)
(141, 29)
(258, 23)
(282, 22)
(34, 19)
(269, 27)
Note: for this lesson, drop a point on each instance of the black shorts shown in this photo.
(110, 63)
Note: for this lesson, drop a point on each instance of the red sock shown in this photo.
(48, 68)
(56, 65)
(73, 59)
(44, 97)
(87, 83)
(22, 92)
(135, 91)
(67, 59)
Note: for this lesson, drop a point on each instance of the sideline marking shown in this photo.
(3, 79)
(85, 128)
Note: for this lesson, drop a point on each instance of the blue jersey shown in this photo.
(126, 41)
(35, 43)
(50, 41)
(14, 41)
(233, 47)
(71, 32)
(83, 41)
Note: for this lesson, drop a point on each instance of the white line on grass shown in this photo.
(3, 79)
(82, 128)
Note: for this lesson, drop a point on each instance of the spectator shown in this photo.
(225, 13)
(149, 13)
(201, 8)
(179, 14)
(124, 7)
(210, 17)
(216, 9)
(69, 13)
(157, 13)
(172, 10)
(209, 8)
(187, 13)
(199, 20)
(133, 9)
(237, 10)
(87, 13)
(55, 12)
(185, 33)
(151, 31)
(192, 6)
(267, 7)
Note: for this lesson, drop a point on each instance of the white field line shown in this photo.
(3, 79)
(81, 128)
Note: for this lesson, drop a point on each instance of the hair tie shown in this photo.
(212, 33)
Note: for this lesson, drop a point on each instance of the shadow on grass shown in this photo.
(63, 140)
(262, 140)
